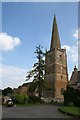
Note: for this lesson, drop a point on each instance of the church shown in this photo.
(56, 75)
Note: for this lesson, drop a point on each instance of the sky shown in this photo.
(39, 0)
(25, 25)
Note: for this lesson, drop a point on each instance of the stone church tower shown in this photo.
(56, 75)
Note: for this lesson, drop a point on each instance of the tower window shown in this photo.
(50, 58)
(60, 57)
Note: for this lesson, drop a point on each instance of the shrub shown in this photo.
(71, 97)
(34, 99)
(20, 99)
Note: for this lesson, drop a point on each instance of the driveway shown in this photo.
(38, 111)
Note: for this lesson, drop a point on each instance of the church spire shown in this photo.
(55, 41)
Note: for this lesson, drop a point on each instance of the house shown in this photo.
(75, 79)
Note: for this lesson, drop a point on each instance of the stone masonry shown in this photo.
(56, 75)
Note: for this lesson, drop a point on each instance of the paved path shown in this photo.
(39, 111)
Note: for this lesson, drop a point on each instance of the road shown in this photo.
(38, 111)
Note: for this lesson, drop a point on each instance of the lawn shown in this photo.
(71, 110)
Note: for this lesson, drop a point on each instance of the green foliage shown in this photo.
(71, 97)
(32, 88)
(34, 99)
(7, 91)
(37, 73)
(20, 99)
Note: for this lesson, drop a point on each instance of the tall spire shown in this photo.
(55, 41)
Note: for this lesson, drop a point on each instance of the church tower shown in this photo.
(56, 75)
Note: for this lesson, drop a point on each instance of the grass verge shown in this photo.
(71, 110)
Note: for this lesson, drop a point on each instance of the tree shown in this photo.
(7, 91)
(37, 72)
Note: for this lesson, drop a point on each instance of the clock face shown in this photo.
(59, 56)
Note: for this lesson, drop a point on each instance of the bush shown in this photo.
(34, 100)
(20, 99)
(71, 97)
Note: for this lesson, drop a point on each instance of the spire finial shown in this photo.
(75, 67)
